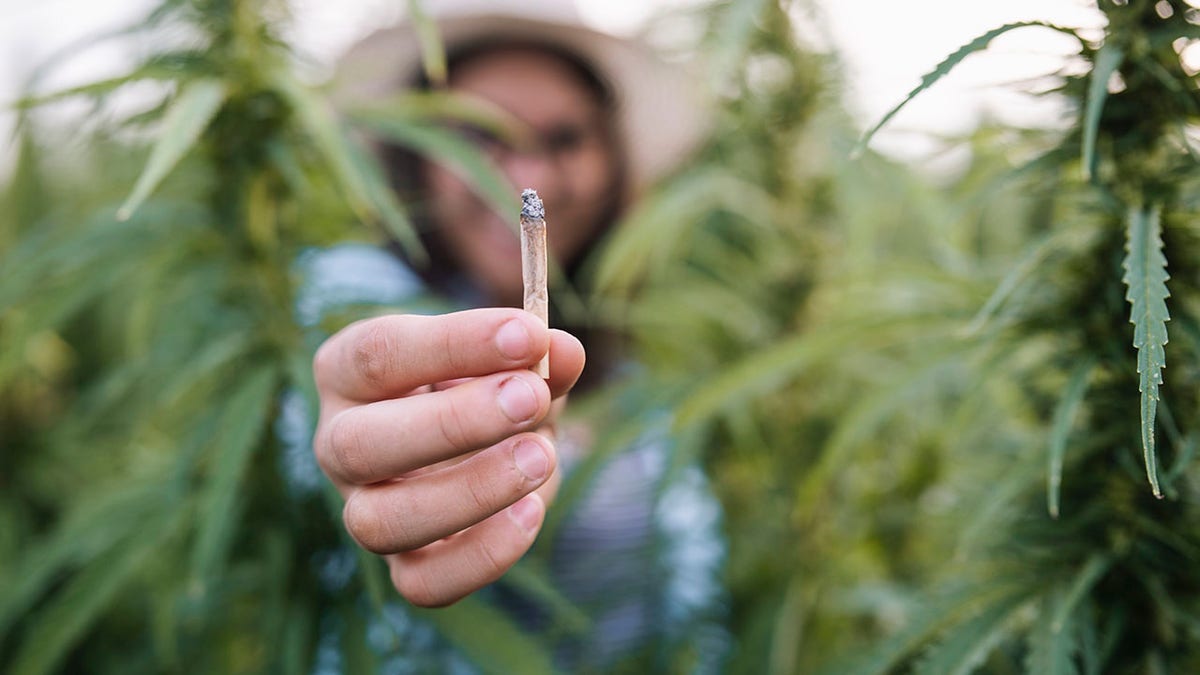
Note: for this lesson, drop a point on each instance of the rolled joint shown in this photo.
(534, 273)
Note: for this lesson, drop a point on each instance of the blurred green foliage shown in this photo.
(927, 410)
(920, 404)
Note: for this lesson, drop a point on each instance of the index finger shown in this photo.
(389, 356)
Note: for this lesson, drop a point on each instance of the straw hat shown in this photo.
(660, 114)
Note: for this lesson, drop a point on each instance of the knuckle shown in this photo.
(345, 452)
(450, 350)
(322, 364)
(322, 450)
(491, 563)
(372, 354)
(493, 481)
(371, 531)
(481, 492)
(415, 588)
(451, 424)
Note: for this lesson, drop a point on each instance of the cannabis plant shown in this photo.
(1087, 568)
(927, 464)
(148, 332)
(764, 253)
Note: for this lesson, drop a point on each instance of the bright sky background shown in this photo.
(887, 46)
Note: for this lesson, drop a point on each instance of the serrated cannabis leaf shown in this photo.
(948, 64)
(1145, 280)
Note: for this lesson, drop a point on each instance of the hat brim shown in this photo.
(659, 112)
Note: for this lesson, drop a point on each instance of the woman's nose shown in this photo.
(535, 170)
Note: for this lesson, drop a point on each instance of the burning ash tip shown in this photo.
(531, 205)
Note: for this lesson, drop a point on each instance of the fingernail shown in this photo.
(517, 400)
(513, 340)
(527, 513)
(531, 460)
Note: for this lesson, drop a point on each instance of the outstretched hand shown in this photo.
(428, 429)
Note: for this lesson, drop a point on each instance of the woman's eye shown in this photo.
(478, 136)
(564, 139)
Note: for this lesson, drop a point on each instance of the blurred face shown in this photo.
(572, 165)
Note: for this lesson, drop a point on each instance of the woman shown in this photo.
(432, 427)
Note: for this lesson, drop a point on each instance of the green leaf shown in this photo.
(941, 609)
(1030, 261)
(1089, 575)
(283, 157)
(625, 425)
(651, 235)
(151, 70)
(759, 374)
(353, 170)
(433, 54)
(435, 106)
(57, 258)
(1084, 626)
(392, 213)
(1060, 428)
(57, 305)
(64, 619)
(536, 585)
(1183, 459)
(186, 119)
(298, 638)
(864, 417)
(988, 518)
(372, 569)
(89, 531)
(1050, 651)
(444, 146)
(766, 370)
(965, 646)
(489, 638)
(1146, 290)
(1108, 60)
(215, 357)
(242, 425)
(948, 64)
(357, 654)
